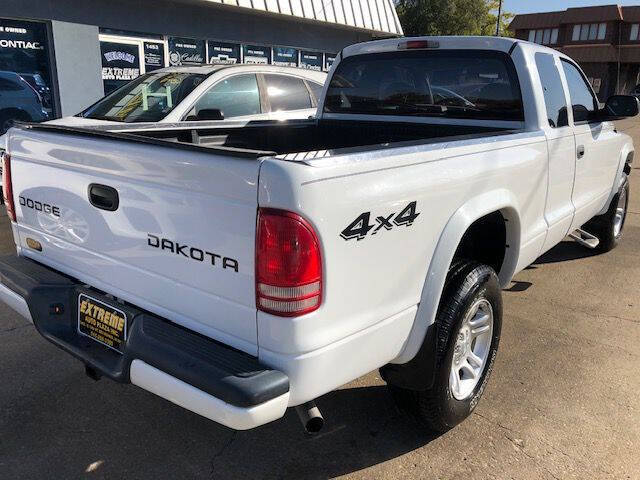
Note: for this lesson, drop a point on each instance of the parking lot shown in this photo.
(562, 402)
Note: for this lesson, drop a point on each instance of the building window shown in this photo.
(589, 31)
(547, 36)
(186, 51)
(26, 87)
(634, 32)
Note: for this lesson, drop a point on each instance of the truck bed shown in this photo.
(293, 136)
(186, 204)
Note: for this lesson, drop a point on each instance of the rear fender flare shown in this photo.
(496, 200)
(619, 178)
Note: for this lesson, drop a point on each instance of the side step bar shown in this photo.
(584, 238)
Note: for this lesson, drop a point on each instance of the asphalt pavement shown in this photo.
(563, 401)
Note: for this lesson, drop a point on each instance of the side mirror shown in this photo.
(621, 106)
(210, 114)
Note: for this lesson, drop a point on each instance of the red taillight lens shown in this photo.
(7, 189)
(288, 264)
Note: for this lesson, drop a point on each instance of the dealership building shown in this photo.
(603, 39)
(72, 52)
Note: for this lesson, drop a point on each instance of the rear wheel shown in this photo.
(469, 321)
(609, 226)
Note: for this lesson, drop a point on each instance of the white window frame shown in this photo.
(585, 32)
(544, 36)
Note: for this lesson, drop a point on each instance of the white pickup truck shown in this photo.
(240, 270)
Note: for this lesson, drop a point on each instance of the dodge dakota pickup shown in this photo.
(238, 270)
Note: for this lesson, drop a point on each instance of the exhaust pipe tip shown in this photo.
(310, 416)
(314, 425)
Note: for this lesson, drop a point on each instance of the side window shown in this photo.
(554, 98)
(287, 93)
(234, 97)
(316, 88)
(583, 103)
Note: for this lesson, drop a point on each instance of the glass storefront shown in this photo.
(256, 54)
(120, 64)
(25, 74)
(26, 78)
(125, 58)
(153, 56)
(223, 52)
(186, 51)
(311, 60)
(138, 53)
(329, 58)
(285, 56)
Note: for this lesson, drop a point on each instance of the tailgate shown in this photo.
(179, 244)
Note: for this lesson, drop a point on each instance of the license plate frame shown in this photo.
(93, 322)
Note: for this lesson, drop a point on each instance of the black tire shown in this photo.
(603, 226)
(436, 408)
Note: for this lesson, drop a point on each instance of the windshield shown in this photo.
(148, 98)
(449, 83)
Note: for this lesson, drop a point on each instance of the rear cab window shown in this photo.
(474, 84)
(553, 91)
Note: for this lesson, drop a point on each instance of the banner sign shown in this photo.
(256, 54)
(329, 58)
(186, 51)
(153, 56)
(120, 61)
(285, 56)
(224, 53)
(311, 60)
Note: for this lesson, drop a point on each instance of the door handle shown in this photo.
(103, 197)
(580, 151)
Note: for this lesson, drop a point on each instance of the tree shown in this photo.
(451, 17)
(492, 18)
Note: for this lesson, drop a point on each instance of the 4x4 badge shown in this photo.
(361, 226)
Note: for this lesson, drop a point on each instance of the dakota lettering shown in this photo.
(167, 245)
(180, 249)
(195, 253)
(153, 241)
(230, 262)
(213, 257)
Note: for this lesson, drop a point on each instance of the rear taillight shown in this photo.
(288, 264)
(7, 189)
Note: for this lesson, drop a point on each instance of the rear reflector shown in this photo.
(288, 264)
(7, 188)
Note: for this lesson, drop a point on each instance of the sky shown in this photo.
(532, 6)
